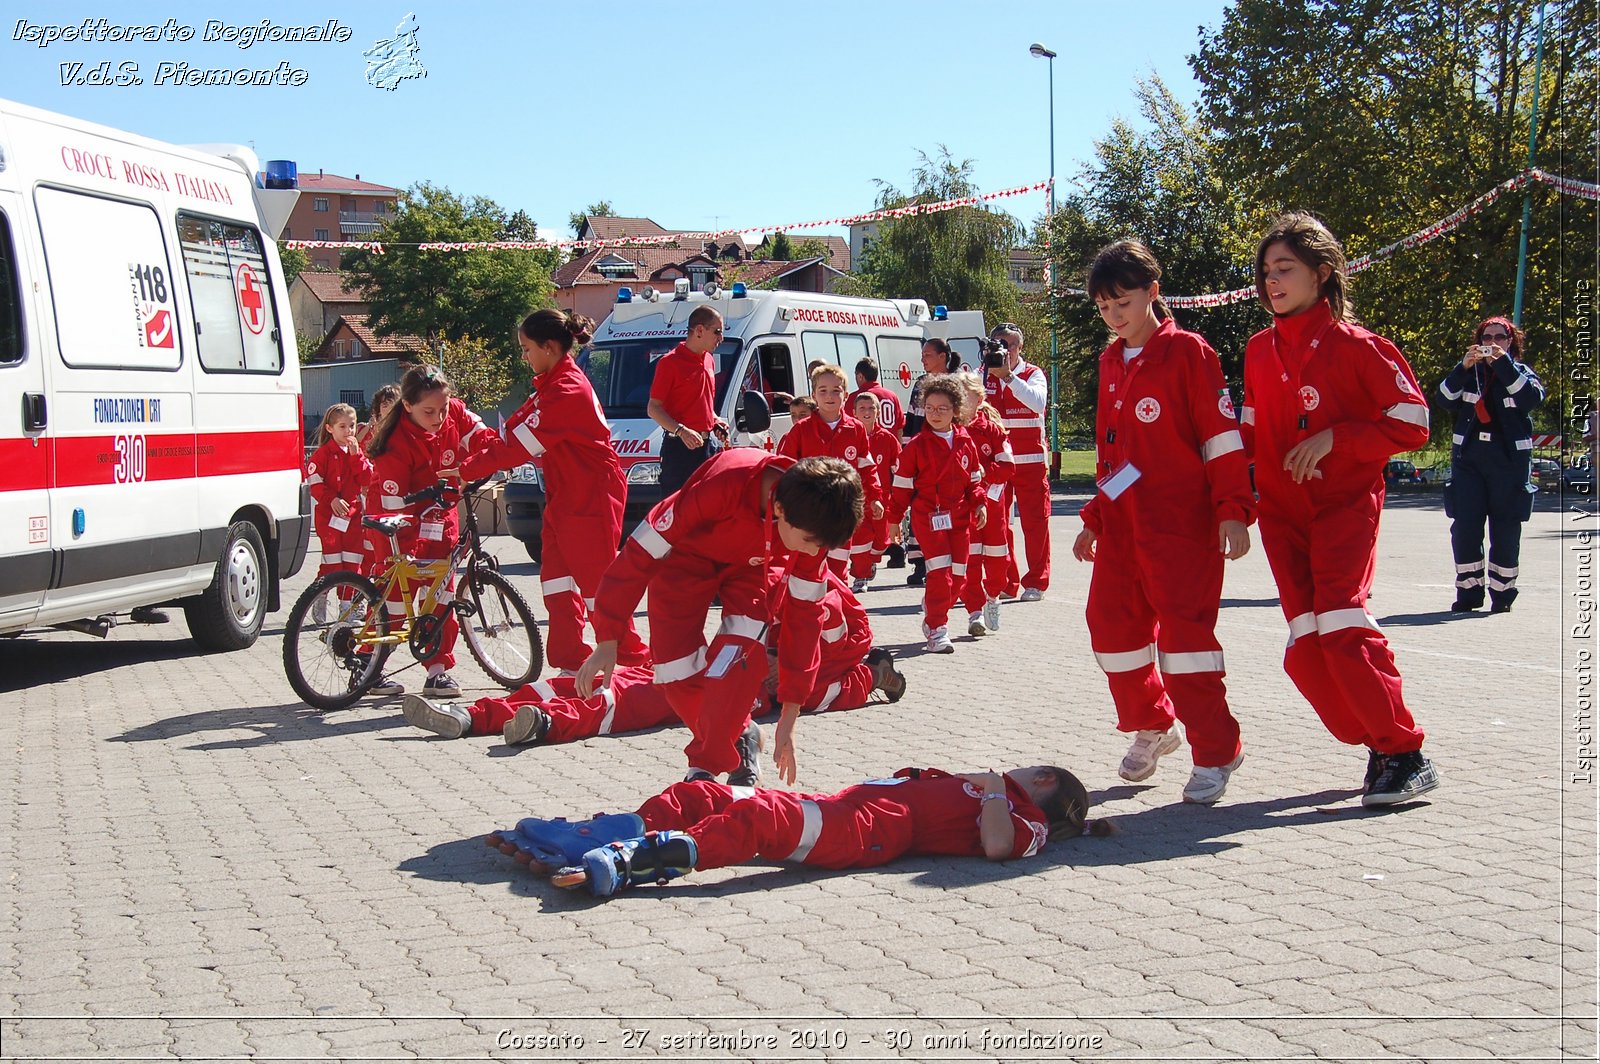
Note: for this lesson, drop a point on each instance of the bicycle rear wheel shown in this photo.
(500, 629)
(323, 655)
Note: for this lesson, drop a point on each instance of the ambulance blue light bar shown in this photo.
(739, 290)
(941, 313)
(624, 294)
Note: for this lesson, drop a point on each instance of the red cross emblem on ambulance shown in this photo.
(905, 375)
(1147, 409)
(252, 304)
(1310, 398)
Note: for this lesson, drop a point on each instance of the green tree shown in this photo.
(593, 210)
(812, 248)
(479, 375)
(1157, 182)
(776, 248)
(521, 228)
(450, 294)
(955, 257)
(1401, 111)
(295, 262)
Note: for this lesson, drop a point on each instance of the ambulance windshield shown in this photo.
(621, 372)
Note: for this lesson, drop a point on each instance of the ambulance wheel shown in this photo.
(228, 614)
(535, 548)
(323, 640)
(499, 627)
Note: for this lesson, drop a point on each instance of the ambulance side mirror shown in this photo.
(752, 414)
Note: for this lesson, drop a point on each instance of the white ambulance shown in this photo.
(769, 338)
(150, 422)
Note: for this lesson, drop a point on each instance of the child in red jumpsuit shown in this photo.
(938, 478)
(550, 711)
(832, 433)
(1174, 501)
(872, 537)
(989, 551)
(337, 476)
(743, 521)
(703, 825)
(425, 434)
(563, 426)
(1326, 404)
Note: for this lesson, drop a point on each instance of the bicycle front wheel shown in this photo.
(500, 629)
(327, 653)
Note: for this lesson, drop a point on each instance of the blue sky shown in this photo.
(696, 115)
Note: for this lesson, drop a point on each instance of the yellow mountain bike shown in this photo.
(344, 626)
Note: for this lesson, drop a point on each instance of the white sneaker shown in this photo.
(1031, 594)
(319, 610)
(975, 625)
(939, 641)
(1139, 763)
(858, 585)
(1206, 784)
(442, 718)
(991, 615)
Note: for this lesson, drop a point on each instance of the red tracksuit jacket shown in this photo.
(563, 426)
(412, 462)
(335, 473)
(994, 452)
(848, 440)
(935, 475)
(1308, 373)
(718, 517)
(1169, 414)
(886, 447)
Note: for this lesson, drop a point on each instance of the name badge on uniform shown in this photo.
(431, 529)
(942, 521)
(1118, 480)
(339, 524)
(1485, 437)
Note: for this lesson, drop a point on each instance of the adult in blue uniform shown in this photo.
(1493, 394)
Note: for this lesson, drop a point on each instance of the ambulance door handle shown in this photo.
(33, 412)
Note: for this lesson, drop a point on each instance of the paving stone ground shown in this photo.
(197, 866)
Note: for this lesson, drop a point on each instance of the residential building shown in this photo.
(340, 209)
(1025, 267)
(318, 300)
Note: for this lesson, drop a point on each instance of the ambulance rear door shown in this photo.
(25, 559)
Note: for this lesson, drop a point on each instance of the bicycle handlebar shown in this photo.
(437, 491)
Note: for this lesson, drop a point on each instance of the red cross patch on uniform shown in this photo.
(532, 420)
(447, 459)
(850, 453)
(391, 488)
(311, 467)
(1401, 383)
(664, 522)
(1147, 409)
(1310, 398)
(1225, 404)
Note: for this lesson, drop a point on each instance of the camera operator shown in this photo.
(1019, 390)
(1491, 450)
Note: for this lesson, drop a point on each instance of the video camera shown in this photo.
(993, 352)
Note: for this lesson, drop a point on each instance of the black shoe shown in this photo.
(1500, 607)
(894, 683)
(1404, 777)
(919, 573)
(529, 726)
(896, 555)
(1374, 770)
(748, 774)
(1462, 607)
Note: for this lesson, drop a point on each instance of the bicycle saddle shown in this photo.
(387, 525)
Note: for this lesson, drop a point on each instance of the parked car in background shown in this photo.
(1546, 473)
(1399, 473)
(1435, 475)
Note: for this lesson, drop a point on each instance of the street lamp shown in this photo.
(1039, 51)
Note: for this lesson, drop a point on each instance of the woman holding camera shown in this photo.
(1493, 394)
